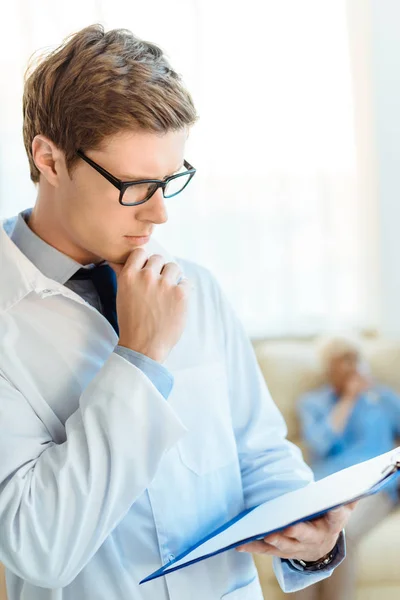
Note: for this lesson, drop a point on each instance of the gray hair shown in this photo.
(331, 347)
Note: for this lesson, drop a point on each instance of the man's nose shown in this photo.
(153, 210)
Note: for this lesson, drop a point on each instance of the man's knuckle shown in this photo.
(147, 275)
(164, 283)
(139, 253)
(129, 275)
(286, 546)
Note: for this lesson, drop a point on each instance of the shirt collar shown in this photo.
(50, 261)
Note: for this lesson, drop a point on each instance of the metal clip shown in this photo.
(394, 465)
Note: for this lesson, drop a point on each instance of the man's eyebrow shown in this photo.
(124, 177)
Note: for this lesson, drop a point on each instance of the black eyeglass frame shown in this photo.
(122, 186)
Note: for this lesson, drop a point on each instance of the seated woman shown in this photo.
(349, 420)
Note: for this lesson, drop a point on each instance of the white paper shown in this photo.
(337, 489)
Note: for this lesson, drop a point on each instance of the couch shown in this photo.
(290, 368)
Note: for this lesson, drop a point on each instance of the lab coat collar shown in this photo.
(19, 276)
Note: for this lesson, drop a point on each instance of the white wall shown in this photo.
(374, 27)
(386, 79)
(360, 43)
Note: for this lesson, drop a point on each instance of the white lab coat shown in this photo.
(102, 480)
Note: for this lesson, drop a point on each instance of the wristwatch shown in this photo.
(317, 565)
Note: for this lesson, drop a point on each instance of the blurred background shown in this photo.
(296, 203)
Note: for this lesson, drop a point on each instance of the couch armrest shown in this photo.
(3, 593)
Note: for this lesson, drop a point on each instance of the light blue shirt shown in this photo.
(372, 429)
(103, 481)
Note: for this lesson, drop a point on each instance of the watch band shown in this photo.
(318, 565)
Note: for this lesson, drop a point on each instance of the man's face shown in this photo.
(87, 207)
(342, 368)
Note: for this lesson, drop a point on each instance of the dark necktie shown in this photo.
(105, 282)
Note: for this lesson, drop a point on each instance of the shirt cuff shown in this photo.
(159, 376)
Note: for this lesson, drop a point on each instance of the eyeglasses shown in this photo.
(133, 193)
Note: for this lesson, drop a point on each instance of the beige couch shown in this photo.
(290, 369)
(3, 595)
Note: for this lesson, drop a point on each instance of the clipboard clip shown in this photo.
(393, 466)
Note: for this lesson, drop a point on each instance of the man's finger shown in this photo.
(186, 285)
(305, 532)
(136, 259)
(171, 272)
(156, 262)
(258, 547)
(253, 547)
(336, 519)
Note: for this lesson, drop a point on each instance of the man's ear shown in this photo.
(48, 159)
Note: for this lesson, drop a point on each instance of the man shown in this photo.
(349, 420)
(125, 440)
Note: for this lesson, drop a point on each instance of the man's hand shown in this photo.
(308, 541)
(355, 386)
(152, 303)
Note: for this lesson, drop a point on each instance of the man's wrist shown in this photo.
(316, 565)
(145, 351)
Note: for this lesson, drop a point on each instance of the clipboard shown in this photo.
(304, 504)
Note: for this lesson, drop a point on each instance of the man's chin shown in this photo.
(121, 255)
(122, 258)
